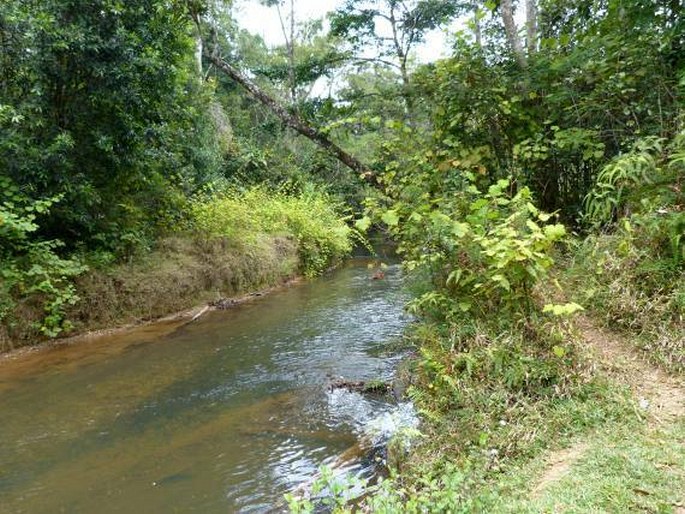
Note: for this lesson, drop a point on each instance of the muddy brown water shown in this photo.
(224, 414)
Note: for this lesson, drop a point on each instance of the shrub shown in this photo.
(632, 270)
(309, 218)
(483, 252)
(30, 268)
(646, 187)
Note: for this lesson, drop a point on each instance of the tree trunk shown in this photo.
(401, 55)
(290, 48)
(291, 55)
(476, 27)
(292, 120)
(507, 9)
(199, 43)
(198, 54)
(531, 26)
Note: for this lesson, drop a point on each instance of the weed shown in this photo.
(310, 219)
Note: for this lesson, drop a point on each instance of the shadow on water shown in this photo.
(221, 415)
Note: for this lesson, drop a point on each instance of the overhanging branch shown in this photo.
(290, 119)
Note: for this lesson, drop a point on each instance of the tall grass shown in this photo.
(311, 219)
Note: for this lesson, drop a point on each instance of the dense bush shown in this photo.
(31, 268)
(99, 104)
(644, 191)
(631, 270)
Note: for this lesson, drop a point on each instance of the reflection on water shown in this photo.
(221, 415)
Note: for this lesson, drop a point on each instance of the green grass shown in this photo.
(622, 464)
(631, 468)
(311, 219)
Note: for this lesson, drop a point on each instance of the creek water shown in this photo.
(224, 414)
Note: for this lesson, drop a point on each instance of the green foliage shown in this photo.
(294, 67)
(627, 175)
(624, 282)
(99, 105)
(632, 274)
(484, 365)
(331, 491)
(563, 310)
(448, 492)
(646, 187)
(484, 252)
(604, 75)
(310, 219)
(358, 21)
(32, 268)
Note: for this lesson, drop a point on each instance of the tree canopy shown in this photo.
(116, 115)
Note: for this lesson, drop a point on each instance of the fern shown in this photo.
(619, 181)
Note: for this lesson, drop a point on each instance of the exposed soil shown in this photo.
(558, 464)
(180, 273)
(117, 339)
(660, 397)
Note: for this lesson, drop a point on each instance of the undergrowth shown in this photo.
(492, 400)
(310, 219)
(231, 242)
(619, 280)
(500, 374)
(631, 272)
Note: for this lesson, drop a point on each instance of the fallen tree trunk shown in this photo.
(292, 120)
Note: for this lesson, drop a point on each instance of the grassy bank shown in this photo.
(624, 282)
(528, 403)
(551, 416)
(231, 243)
(527, 406)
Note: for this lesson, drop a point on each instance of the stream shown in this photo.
(224, 414)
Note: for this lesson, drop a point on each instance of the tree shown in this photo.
(392, 28)
(290, 119)
(600, 76)
(307, 56)
(213, 53)
(511, 30)
(289, 37)
(106, 112)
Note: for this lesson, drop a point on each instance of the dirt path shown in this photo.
(660, 397)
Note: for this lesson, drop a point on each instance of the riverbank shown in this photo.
(615, 448)
(233, 243)
(139, 328)
(176, 280)
(609, 439)
(576, 405)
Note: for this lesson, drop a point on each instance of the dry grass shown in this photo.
(178, 274)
